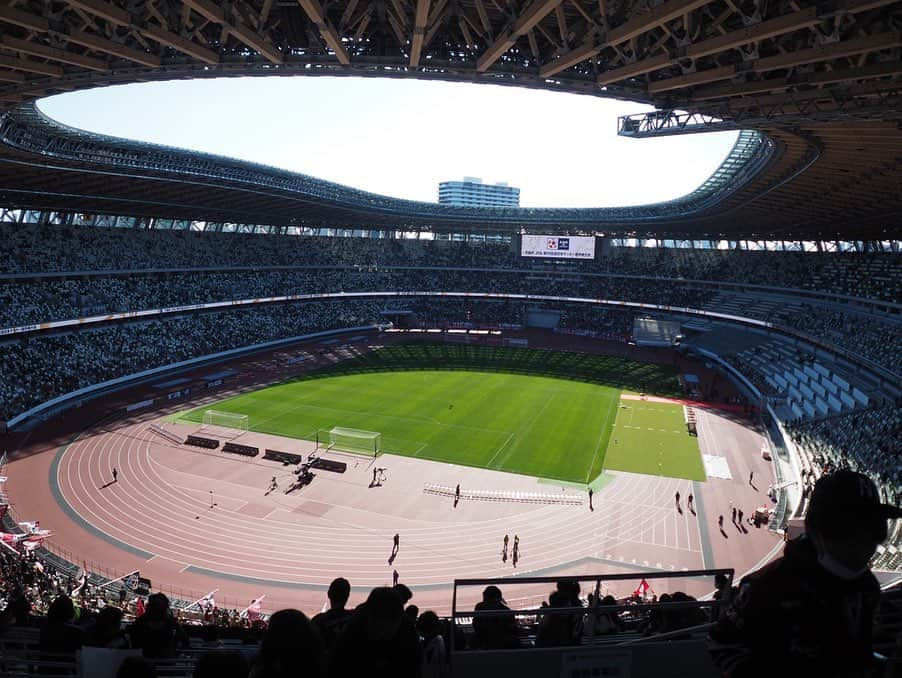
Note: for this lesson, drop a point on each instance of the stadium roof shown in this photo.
(819, 81)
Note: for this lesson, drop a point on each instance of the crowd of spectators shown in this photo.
(386, 635)
(88, 357)
(26, 302)
(45, 366)
(877, 337)
(879, 341)
(867, 441)
(30, 248)
(36, 301)
(384, 265)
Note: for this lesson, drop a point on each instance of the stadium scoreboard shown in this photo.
(557, 246)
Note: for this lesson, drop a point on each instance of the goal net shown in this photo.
(349, 440)
(225, 424)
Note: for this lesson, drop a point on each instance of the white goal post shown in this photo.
(349, 440)
(226, 420)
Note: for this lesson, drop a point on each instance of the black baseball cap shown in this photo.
(844, 503)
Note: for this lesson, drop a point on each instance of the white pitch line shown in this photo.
(600, 436)
(509, 438)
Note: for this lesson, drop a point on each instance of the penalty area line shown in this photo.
(503, 445)
(607, 423)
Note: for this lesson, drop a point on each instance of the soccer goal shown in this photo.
(349, 440)
(225, 424)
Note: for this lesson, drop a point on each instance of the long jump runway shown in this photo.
(185, 515)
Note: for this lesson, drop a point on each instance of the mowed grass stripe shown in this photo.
(470, 405)
(510, 422)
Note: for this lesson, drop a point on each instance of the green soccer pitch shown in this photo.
(534, 412)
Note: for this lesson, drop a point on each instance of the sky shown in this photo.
(402, 137)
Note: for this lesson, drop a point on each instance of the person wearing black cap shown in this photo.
(810, 613)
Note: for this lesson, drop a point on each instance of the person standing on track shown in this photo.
(115, 475)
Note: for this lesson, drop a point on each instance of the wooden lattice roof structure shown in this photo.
(819, 81)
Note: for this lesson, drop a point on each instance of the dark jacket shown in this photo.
(157, 637)
(794, 618)
(357, 654)
(495, 632)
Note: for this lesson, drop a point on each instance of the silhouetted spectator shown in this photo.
(684, 617)
(379, 641)
(136, 667)
(59, 634)
(221, 665)
(498, 631)
(107, 630)
(810, 613)
(17, 610)
(331, 623)
(604, 623)
(156, 633)
(403, 592)
(433, 643)
(556, 628)
(291, 646)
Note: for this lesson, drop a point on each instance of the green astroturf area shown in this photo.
(541, 413)
(651, 438)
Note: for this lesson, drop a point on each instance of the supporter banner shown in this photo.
(215, 382)
(138, 406)
(178, 394)
(557, 246)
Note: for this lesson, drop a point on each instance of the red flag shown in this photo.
(642, 589)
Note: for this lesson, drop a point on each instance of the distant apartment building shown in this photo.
(471, 192)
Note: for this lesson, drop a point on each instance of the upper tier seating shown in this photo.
(30, 248)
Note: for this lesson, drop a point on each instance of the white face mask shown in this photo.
(837, 569)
